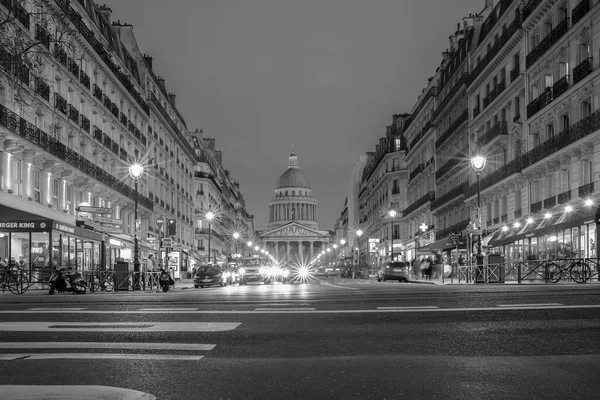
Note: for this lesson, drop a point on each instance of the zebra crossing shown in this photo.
(105, 350)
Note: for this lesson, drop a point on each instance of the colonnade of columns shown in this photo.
(304, 250)
(293, 211)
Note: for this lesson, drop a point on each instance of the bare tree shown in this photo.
(29, 29)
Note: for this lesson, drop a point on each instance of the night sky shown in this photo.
(323, 76)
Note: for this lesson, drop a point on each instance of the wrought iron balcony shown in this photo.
(579, 11)
(21, 14)
(21, 72)
(85, 123)
(536, 207)
(501, 128)
(533, 107)
(106, 101)
(514, 73)
(529, 7)
(586, 190)
(429, 196)
(450, 195)
(98, 92)
(498, 175)
(560, 86)
(456, 228)
(564, 197)
(459, 157)
(123, 119)
(476, 111)
(42, 36)
(47, 143)
(42, 88)
(546, 43)
(73, 114)
(98, 134)
(114, 109)
(74, 68)
(60, 103)
(123, 154)
(60, 55)
(106, 140)
(114, 147)
(452, 128)
(84, 79)
(582, 70)
(416, 172)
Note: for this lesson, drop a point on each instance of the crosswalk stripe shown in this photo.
(407, 308)
(98, 356)
(530, 305)
(118, 326)
(168, 309)
(285, 309)
(55, 309)
(107, 345)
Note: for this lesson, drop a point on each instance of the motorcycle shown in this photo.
(62, 280)
(165, 280)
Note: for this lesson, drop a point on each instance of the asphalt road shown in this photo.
(342, 341)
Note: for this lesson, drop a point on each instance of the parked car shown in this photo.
(393, 270)
(209, 275)
(253, 273)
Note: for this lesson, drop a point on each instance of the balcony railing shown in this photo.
(542, 101)
(123, 119)
(586, 190)
(106, 140)
(560, 86)
(42, 88)
(419, 136)
(97, 92)
(476, 111)
(74, 68)
(501, 128)
(579, 11)
(41, 139)
(529, 7)
(85, 123)
(564, 198)
(60, 55)
(514, 73)
(452, 194)
(546, 43)
(452, 128)
(454, 161)
(60, 103)
(73, 114)
(456, 228)
(98, 134)
(84, 79)
(43, 36)
(498, 175)
(429, 196)
(582, 70)
(416, 172)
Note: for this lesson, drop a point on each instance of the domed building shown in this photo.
(293, 231)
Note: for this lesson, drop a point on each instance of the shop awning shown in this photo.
(446, 243)
(575, 218)
(493, 238)
(542, 226)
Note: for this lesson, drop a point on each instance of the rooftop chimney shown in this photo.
(172, 99)
(148, 60)
(161, 83)
(106, 11)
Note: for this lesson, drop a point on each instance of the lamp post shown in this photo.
(236, 236)
(249, 245)
(209, 217)
(359, 233)
(478, 164)
(136, 171)
(392, 214)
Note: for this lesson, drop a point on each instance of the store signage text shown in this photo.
(64, 228)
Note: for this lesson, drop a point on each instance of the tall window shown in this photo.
(69, 198)
(534, 191)
(549, 131)
(55, 192)
(563, 180)
(37, 194)
(550, 185)
(585, 109)
(586, 172)
(518, 201)
(16, 178)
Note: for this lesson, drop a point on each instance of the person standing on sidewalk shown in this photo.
(150, 265)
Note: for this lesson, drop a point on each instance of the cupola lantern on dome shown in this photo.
(292, 177)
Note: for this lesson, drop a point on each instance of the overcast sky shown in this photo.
(325, 76)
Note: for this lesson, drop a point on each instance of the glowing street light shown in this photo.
(478, 164)
(209, 216)
(136, 171)
(392, 214)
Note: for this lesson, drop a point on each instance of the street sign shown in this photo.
(107, 229)
(106, 220)
(95, 210)
(160, 221)
(167, 242)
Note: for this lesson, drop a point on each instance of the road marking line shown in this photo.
(222, 312)
(168, 309)
(97, 356)
(118, 326)
(339, 287)
(285, 309)
(406, 308)
(530, 305)
(107, 345)
(55, 309)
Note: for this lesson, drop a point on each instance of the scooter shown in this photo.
(62, 280)
(165, 280)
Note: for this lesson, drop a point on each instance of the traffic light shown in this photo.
(171, 227)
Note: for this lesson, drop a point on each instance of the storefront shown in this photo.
(32, 242)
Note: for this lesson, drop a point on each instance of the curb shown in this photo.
(34, 392)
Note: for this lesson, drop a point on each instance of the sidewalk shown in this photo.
(31, 392)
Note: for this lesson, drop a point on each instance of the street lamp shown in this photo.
(392, 214)
(359, 233)
(209, 217)
(236, 236)
(478, 164)
(136, 171)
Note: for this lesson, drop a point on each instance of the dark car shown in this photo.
(393, 271)
(253, 273)
(209, 275)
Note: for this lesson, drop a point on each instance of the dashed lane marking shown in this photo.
(55, 309)
(530, 305)
(168, 309)
(118, 326)
(97, 356)
(285, 309)
(107, 345)
(339, 287)
(407, 308)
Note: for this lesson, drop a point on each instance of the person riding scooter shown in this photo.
(165, 280)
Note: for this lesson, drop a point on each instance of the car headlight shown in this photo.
(225, 274)
(241, 271)
(262, 270)
(303, 272)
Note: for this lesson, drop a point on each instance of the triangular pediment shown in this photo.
(293, 229)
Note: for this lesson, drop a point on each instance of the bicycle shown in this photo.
(577, 270)
(14, 280)
(102, 280)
